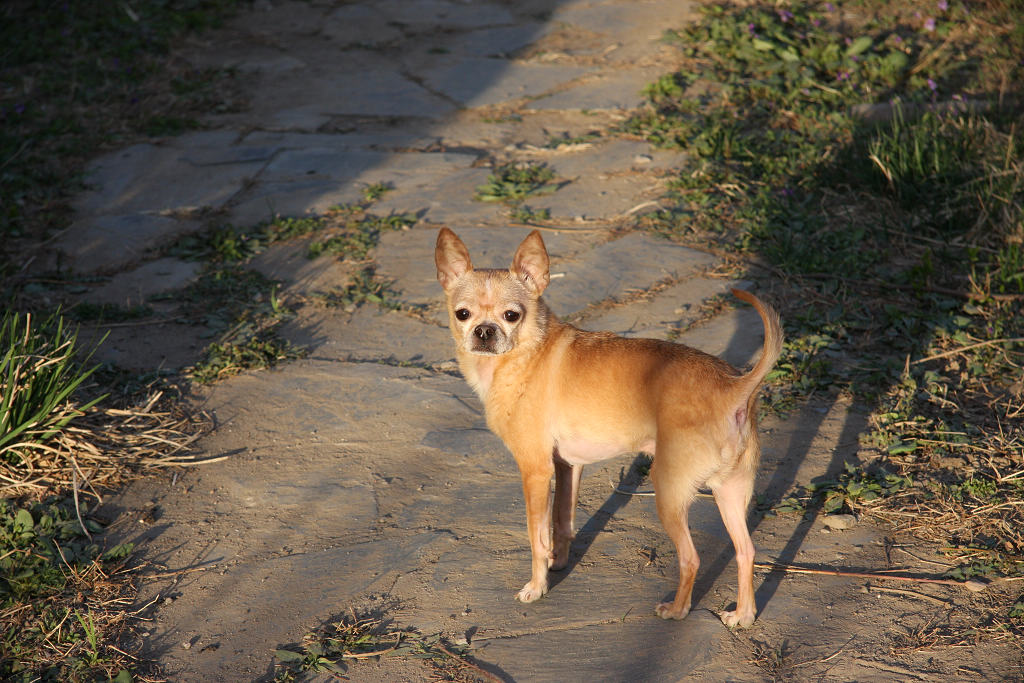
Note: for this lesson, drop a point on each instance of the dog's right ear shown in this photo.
(530, 263)
(451, 258)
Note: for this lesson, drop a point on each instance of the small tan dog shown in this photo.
(561, 398)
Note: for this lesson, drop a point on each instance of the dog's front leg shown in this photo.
(536, 475)
(567, 490)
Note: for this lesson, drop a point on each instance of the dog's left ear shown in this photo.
(531, 263)
(451, 258)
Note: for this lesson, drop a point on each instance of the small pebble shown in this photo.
(839, 522)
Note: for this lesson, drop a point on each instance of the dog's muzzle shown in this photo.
(485, 336)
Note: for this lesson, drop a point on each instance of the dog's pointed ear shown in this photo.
(531, 263)
(451, 257)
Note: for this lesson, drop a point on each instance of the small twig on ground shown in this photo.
(953, 352)
(913, 594)
(972, 585)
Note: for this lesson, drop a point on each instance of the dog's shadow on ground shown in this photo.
(599, 520)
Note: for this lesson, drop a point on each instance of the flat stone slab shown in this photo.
(194, 171)
(498, 42)
(614, 268)
(135, 287)
(666, 312)
(658, 650)
(312, 180)
(446, 199)
(427, 14)
(321, 94)
(359, 24)
(735, 336)
(108, 242)
(614, 90)
(604, 197)
(220, 629)
(475, 82)
(369, 333)
(610, 156)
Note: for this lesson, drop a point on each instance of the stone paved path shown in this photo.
(364, 474)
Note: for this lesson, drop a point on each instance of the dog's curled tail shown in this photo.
(772, 347)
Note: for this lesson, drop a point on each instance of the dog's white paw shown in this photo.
(667, 610)
(734, 619)
(531, 592)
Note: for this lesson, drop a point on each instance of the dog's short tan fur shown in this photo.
(561, 398)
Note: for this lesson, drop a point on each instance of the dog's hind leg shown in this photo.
(733, 497)
(567, 489)
(674, 490)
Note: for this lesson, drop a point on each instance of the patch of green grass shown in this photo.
(556, 141)
(514, 182)
(899, 235)
(39, 371)
(855, 490)
(363, 287)
(245, 349)
(350, 232)
(55, 596)
(525, 214)
(354, 239)
(375, 191)
(244, 310)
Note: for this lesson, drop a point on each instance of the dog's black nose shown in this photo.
(485, 331)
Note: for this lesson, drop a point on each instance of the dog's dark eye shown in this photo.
(462, 314)
(511, 316)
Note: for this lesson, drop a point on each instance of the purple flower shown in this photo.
(929, 24)
(943, 5)
(843, 75)
(784, 14)
(829, 7)
(816, 21)
(933, 85)
(751, 29)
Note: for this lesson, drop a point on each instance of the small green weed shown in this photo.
(524, 214)
(55, 596)
(855, 490)
(556, 141)
(355, 239)
(244, 308)
(343, 642)
(1017, 609)
(245, 349)
(363, 287)
(375, 191)
(514, 182)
